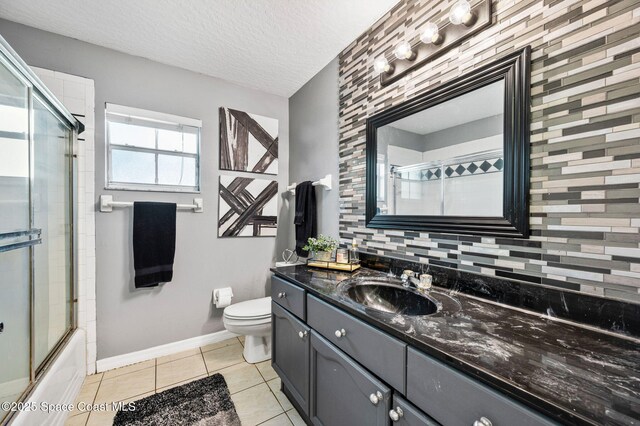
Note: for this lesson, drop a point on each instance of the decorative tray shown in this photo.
(348, 267)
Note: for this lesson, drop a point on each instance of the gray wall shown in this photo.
(466, 132)
(313, 129)
(128, 319)
(390, 135)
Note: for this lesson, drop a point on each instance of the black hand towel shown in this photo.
(306, 217)
(154, 242)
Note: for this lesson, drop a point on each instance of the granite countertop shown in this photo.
(573, 374)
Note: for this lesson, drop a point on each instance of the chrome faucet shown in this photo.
(408, 277)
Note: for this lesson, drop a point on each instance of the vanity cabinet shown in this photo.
(342, 392)
(339, 370)
(290, 354)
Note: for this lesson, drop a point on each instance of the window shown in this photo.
(148, 150)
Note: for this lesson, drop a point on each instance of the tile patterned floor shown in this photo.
(255, 388)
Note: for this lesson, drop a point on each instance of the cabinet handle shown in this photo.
(375, 397)
(340, 333)
(282, 295)
(395, 415)
(302, 334)
(483, 422)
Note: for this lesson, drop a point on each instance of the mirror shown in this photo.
(455, 159)
(446, 160)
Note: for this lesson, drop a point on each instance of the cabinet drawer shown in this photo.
(290, 353)
(452, 398)
(289, 296)
(408, 415)
(342, 392)
(382, 354)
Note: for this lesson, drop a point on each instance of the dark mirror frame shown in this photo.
(514, 70)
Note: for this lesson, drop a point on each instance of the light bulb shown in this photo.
(431, 34)
(461, 14)
(403, 51)
(382, 65)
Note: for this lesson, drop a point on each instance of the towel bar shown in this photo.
(107, 204)
(324, 182)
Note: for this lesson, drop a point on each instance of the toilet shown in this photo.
(252, 319)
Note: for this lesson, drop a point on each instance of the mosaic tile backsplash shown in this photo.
(585, 140)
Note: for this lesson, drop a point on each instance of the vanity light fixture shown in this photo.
(404, 51)
(431, 34)
(382, 65)
(464, 21)
(461, 14)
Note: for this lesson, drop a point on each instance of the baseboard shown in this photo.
(162, 350)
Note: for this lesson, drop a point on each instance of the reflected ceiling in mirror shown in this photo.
(446, 160)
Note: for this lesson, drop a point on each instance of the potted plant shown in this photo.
(321, 248)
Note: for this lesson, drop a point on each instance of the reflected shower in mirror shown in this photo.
(446, 160)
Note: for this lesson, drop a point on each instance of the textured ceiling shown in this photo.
(271, 45)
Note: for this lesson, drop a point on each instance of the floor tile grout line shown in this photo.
(250, 387)
(181, 383)
(94, 398)
(184, 380)
(263, 377)
(155, 376)
(206, 368)
(271, 418)
(217, 349)
(276, 397)
(111, 402)
(227, 366)
(130, 372)
(99, 382)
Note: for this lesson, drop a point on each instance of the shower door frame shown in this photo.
(38, 371)
(36, 89)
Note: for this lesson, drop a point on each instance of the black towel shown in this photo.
(306, 218)
(154, 242)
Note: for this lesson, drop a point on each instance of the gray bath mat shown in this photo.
(202, 402)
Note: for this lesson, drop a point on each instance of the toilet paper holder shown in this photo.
(222, 297)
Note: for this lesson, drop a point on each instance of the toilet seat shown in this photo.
(246, 322)
(256, 309)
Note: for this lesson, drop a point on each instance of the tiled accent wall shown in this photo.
(77, 94)
(585, 140)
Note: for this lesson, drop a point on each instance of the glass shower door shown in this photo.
(16, 237)
(51, 212)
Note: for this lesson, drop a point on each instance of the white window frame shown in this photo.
(135, 114)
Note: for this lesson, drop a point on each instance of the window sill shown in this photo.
(154, 188)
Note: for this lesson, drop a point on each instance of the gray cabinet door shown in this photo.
(342, 392)
(290, 354)
(453, 398)
(404, 413)
(380, 353)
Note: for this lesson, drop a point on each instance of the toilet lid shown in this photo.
(255, 308)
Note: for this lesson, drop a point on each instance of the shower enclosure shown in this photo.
(37, 182)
